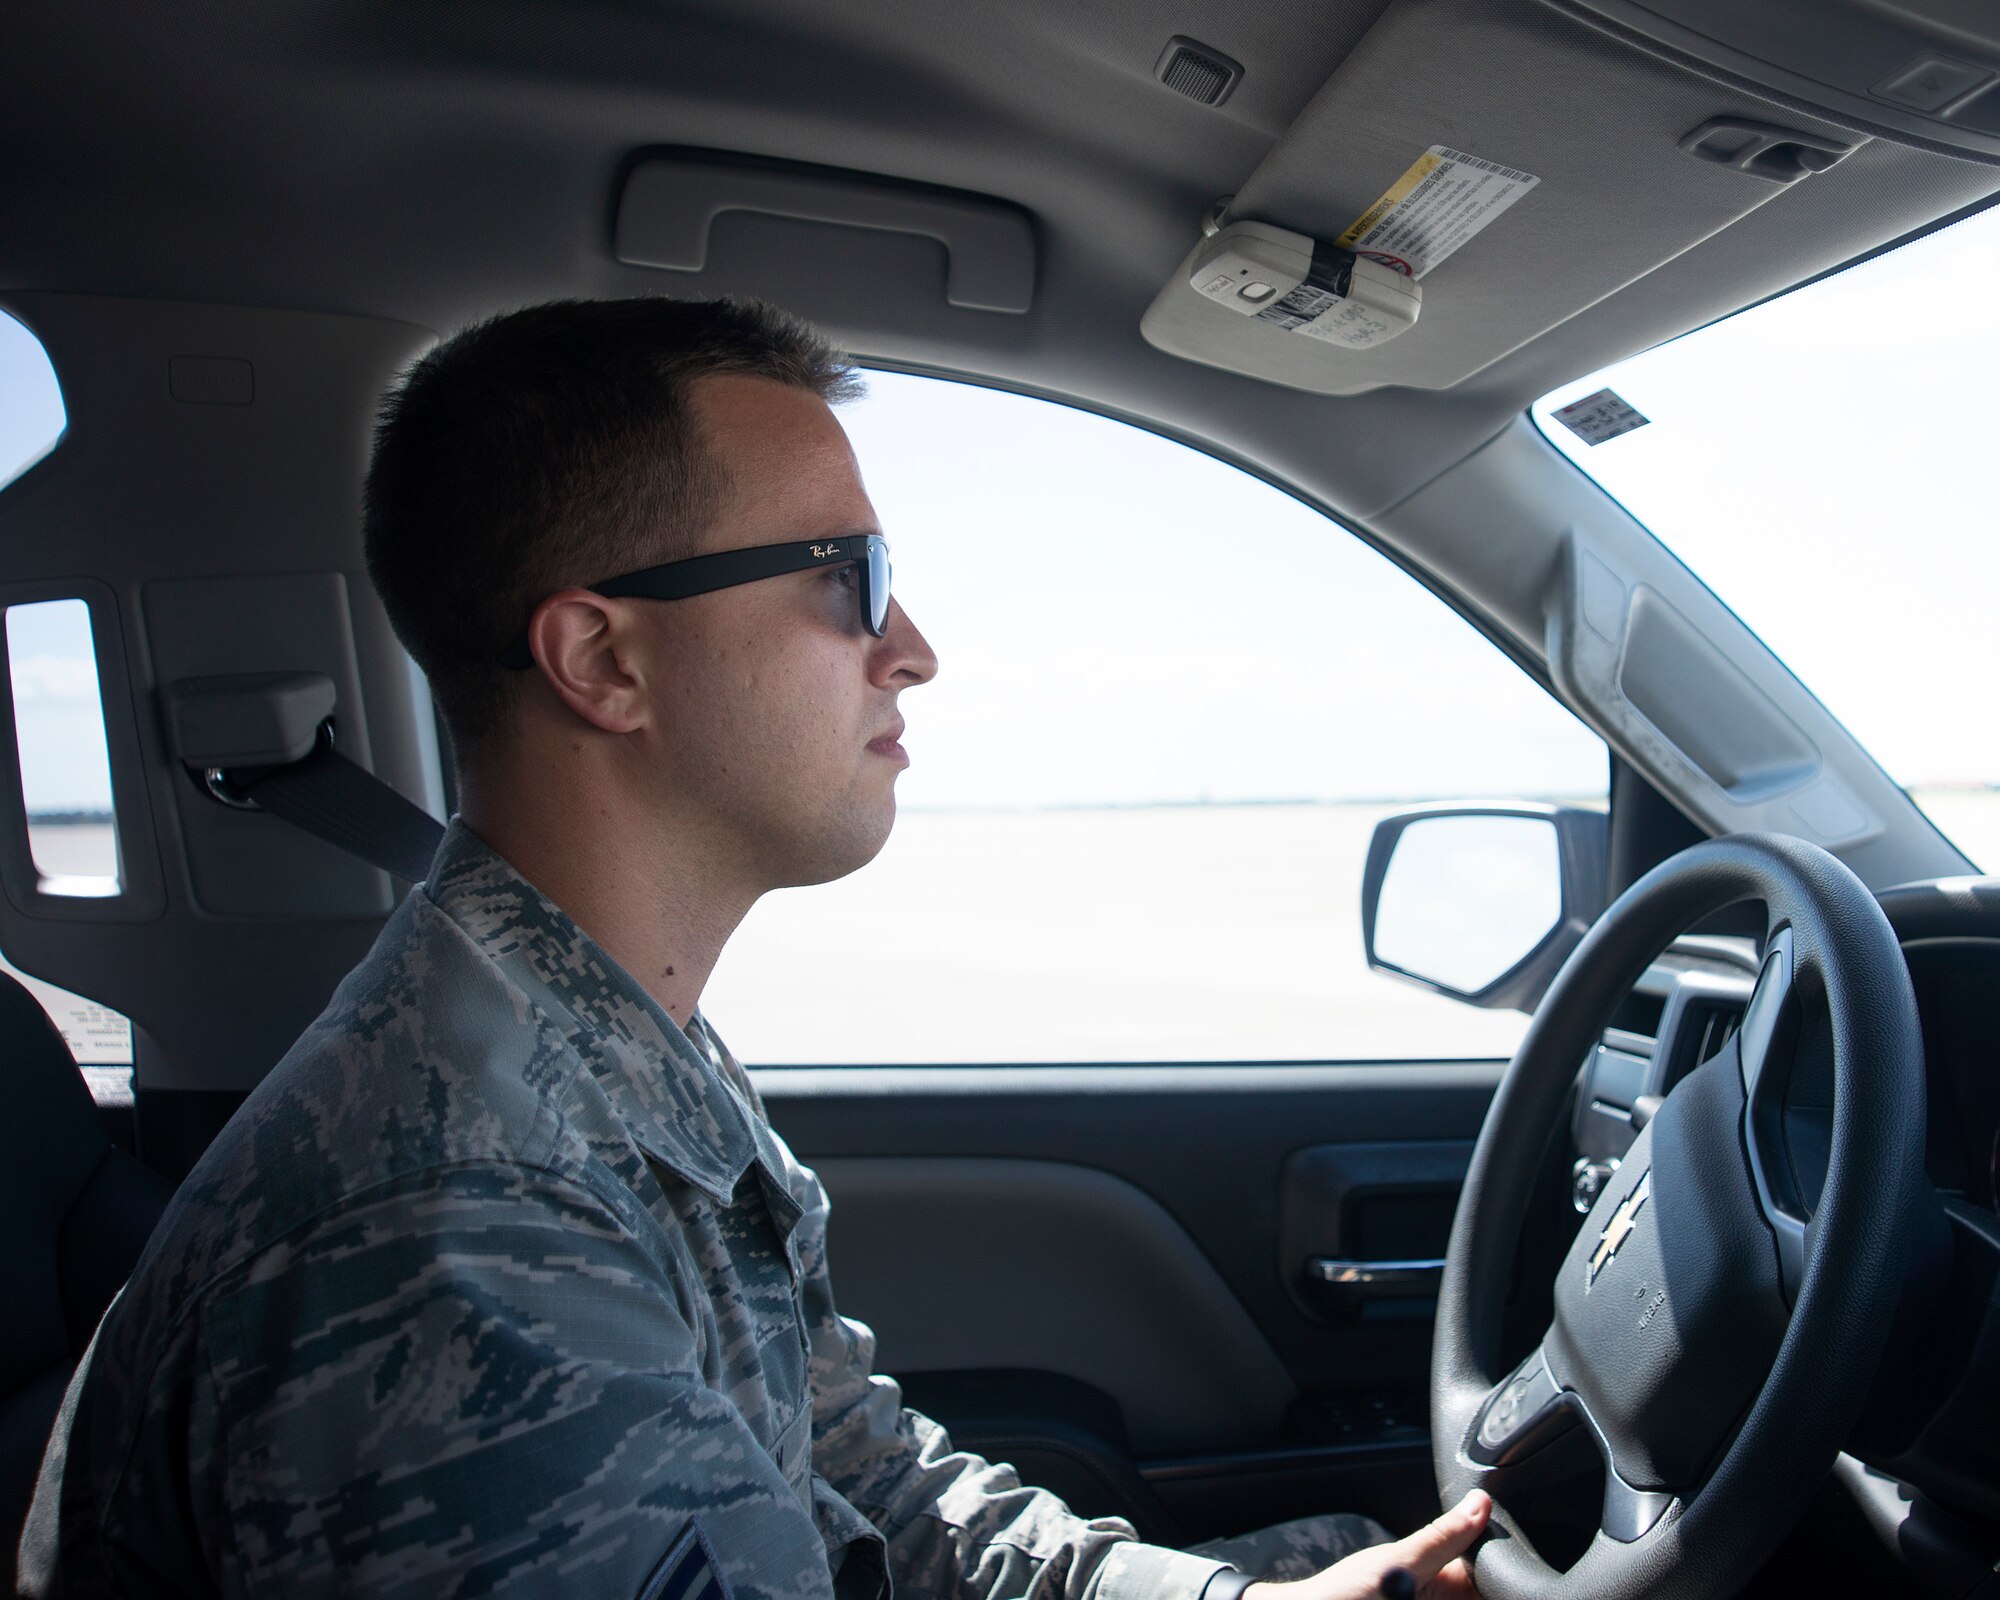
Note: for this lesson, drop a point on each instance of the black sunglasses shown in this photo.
(867, 553)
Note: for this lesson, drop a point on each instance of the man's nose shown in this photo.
(902, 657)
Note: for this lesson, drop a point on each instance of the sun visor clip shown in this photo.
(1293, 283)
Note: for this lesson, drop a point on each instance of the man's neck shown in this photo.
(648, 896)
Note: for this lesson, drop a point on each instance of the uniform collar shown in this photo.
(663, 1086)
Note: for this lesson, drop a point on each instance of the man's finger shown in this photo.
(1453, 1583)
(1427, 1550)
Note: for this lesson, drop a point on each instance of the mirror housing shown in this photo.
(1576, 853)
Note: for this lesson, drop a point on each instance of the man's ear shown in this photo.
(582, 646)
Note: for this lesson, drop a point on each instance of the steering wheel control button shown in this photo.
(1586, 1182)
(1520, 1415)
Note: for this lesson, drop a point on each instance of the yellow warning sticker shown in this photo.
(1441, 201)
(1419, 169)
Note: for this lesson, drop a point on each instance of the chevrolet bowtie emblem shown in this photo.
(1619, 1228)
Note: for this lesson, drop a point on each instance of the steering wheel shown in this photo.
(1722, 1312)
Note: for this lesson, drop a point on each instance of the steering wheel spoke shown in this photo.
(1757, 1038)
(1630, 1514)
(1526, 1412)
(1763, 1046)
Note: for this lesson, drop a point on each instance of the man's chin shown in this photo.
(844, 852)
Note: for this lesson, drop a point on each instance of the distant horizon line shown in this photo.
(1595, 800)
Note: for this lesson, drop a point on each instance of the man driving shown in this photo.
(501, 1282)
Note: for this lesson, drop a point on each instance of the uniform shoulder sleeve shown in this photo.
(957, 1527)
(485, 1381)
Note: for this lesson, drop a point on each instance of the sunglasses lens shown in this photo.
(878, 586)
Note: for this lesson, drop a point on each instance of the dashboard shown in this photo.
(1689, 1002)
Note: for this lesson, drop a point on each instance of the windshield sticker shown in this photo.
(1600, 416)
(1444, 198)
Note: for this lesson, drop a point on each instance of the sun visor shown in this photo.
(1515, 165)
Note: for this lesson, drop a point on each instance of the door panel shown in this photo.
(1099, 1272)
(965, 1265)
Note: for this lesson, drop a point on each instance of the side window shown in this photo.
(1172, 704)
(59, 725)
(31, 406)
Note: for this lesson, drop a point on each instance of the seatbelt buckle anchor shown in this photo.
(244, 722)
(263, 742)
(224, 786)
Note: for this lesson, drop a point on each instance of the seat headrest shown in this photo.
(52, 1137)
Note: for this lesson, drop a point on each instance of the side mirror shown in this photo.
(1482, 903)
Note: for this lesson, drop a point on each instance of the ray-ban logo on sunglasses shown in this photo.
(824, 550)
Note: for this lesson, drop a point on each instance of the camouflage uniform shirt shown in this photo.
(502, 1284)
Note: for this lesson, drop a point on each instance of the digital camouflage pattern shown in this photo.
(1295, 1550)
(498, 1285)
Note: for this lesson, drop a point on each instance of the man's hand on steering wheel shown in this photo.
(1431, 1555)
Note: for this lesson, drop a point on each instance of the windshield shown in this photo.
(1825, 462)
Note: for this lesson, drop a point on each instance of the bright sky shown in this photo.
(64, 763)
(1121, 620)
(64, 766)
(31, 410)
(1826, 463)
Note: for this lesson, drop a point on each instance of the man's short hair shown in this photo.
(549, 447)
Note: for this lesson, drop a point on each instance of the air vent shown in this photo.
(1638, 1019)
(1717, 1029)
(1191, 68)
(1705, 1026)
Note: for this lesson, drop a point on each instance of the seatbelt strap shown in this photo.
(345, 804)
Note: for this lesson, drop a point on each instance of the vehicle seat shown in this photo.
(74, 1214)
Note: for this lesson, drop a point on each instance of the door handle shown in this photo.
(1340, 1288)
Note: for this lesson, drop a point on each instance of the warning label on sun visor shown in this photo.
(1444, 198)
